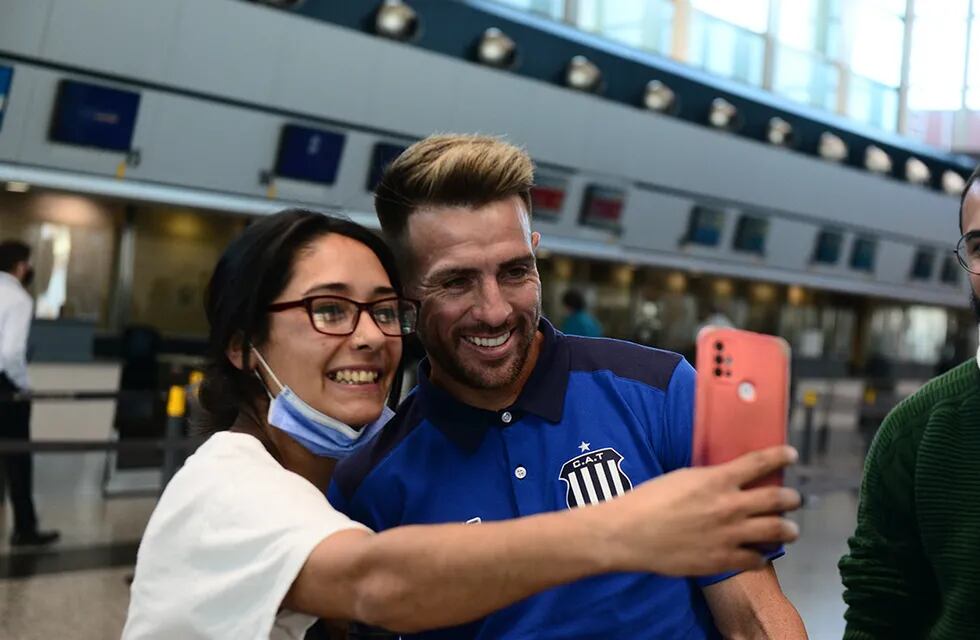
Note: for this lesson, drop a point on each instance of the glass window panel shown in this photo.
(644, 24)
(806, 78)
(810, 25)
(876, 51)
(937, 63)
(550, 8)
(894, 7)
(724, 49)
(748, 14)
(973, 79)
(872, 103)
(973, 98)
(953, 9)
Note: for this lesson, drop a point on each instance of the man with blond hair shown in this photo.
(511, 417)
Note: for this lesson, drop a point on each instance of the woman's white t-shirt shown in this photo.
(227, 539)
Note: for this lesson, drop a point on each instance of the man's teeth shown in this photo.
(355, 376)
(489, 342)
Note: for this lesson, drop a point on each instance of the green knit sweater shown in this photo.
(913, 570)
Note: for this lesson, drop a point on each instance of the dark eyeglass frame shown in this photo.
(966, 237)
(308, 302)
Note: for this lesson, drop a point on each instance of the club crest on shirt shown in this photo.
(594, 476)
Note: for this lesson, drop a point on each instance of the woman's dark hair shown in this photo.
(574, 300)
(249, 276)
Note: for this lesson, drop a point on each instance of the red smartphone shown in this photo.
(742, 395)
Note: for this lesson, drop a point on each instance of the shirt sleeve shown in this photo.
(218, 564)
(13, 342)
(678, 418)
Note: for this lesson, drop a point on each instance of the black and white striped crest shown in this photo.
(594, 476)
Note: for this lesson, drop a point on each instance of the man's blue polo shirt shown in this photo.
(596, 418)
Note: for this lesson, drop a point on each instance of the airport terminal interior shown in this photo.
(791, 167)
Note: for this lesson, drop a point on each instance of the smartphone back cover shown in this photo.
(742, 396)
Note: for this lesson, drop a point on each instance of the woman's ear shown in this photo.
(236, 351)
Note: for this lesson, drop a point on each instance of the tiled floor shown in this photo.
(80, 590)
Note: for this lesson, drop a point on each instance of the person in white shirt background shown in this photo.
(306, 324)
(16, 311)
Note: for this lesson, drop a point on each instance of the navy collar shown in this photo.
(543, 395)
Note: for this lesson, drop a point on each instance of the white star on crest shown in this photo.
(584, 446)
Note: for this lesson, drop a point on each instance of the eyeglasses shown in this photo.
(337, 316)
(968, 252)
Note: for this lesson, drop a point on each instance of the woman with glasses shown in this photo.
(306, 324)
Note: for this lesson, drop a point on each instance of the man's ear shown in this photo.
(535, 240)
(236, 351)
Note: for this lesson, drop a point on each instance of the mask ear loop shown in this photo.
(268, 370)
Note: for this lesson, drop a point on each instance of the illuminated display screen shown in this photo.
(548, 197)
(94, 116)
(603, 207)
(383, 155)
(311, 155)
(704, 226)
(6, 76)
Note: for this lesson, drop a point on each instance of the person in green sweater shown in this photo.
(913, 570)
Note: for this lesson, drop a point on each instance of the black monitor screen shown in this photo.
(922, 265)
(828, 247)
(951, 271)
(6, 76)
(311, 155)
(94, 116)
(750, 235)
(383, 155)
(863, 254)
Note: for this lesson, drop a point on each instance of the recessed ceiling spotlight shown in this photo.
(724, 115)
(917, 172)
(396, 20)
(780, 132)
(659, 97)
(832, 147)
(496, 49)
(953, 182)
(582, 74)
(876, 160)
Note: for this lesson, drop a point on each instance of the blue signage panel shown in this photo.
(94, 116)
(6, 76)
(312, 155)
(383, 155)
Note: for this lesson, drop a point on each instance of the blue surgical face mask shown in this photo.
(320, 434)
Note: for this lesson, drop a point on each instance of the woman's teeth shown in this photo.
(354, 376)
(489, 342)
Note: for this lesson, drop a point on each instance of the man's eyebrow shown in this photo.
(522, 261)
(449, 273)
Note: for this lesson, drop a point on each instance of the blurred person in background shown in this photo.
(911, 571)
(16, 312)
(578, 321)
(511, 417)
(306, 320)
